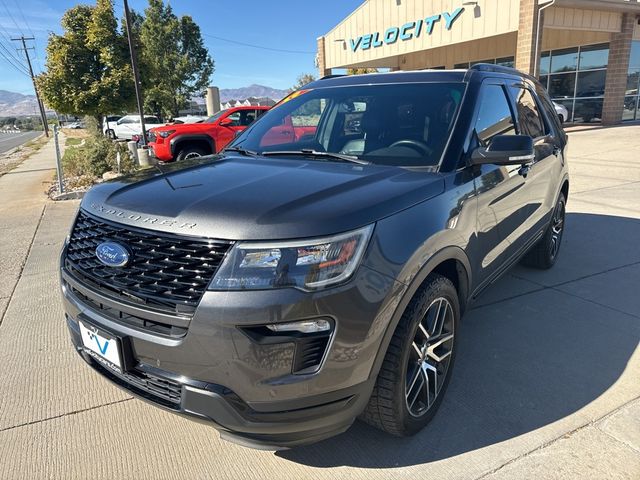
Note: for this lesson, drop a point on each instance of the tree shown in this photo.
(302, 80)
(361, 71)
(87, 70)
(174, 63)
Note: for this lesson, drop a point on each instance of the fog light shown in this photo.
(304, 326)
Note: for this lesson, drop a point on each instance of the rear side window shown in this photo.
(529, 116)
(494, 115)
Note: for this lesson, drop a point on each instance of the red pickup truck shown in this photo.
(188, 140)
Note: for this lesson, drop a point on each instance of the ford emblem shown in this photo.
(112, 254)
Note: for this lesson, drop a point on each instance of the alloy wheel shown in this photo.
(557, 226)
(430, 357)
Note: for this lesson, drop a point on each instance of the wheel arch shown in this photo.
(450, 262)
(203, 141)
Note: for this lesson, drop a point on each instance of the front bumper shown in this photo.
(212, 372)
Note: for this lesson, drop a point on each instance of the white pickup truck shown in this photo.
(129, 125)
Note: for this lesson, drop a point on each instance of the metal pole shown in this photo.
(58, 160)
(134, 67)
(43, 115)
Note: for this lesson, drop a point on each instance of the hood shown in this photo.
(242, 198)
(183, 126)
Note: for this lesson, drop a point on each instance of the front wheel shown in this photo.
(543, 255)
(190, 152)
(111, 135)
(418, 363)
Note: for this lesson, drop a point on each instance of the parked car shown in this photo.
(280, 290)
(189, 140)
(189, 119)
(129, 125)
(562, 112)
(109, 124)
(75, 125)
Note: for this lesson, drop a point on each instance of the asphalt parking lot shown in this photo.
(547, 380)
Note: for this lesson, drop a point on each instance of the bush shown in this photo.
(97, 156)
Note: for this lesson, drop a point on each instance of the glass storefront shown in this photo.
(631, 109)
(575, 78)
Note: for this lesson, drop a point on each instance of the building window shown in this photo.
(575, 78)
(631, 109)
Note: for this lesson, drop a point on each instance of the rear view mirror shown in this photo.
(225, 122)
(505, 150)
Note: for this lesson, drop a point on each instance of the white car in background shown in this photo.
(129, 125)
(562, 112)
(109, 124)
(190, 119)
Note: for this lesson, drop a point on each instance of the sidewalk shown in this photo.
(546, 382)
(22, 205)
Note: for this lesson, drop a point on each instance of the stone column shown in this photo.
(526, 46)
(321, 59)
(616, 83)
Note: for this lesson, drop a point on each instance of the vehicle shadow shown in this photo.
(522, 363)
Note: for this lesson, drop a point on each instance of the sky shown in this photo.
(279, 24)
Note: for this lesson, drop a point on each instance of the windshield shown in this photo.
(215, 117)
(392, 124)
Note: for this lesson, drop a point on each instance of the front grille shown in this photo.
(158, 389)
(166, 272)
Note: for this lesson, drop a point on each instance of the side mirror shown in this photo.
(225, 122)
(505, 150)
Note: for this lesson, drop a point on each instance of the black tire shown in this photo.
(389, 407)
(110, 134)
(561, 117)
(543, 255)
(188, 152)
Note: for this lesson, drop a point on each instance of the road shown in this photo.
(12, 140)
(545, 384)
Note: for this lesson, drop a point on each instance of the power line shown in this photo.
(11, 16)
(8, 60)
(24, 20)
(282, 50)
(26, 24)
(9, 51)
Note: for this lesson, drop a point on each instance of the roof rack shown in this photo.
(335, 75)
(490, 67)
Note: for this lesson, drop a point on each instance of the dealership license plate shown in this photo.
(102, 345)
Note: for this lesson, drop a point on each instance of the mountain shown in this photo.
(254, 90)
(14, 104)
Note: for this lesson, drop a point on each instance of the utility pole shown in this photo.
(43, 115)
(134, 67)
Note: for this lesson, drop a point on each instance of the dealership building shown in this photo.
(586, 52)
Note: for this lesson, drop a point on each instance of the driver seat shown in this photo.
(373, 130)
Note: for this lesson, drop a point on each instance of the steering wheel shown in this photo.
(414, 144)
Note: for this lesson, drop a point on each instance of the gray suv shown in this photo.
(316, 270)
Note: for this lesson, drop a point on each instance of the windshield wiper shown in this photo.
(241, 151)
(314, 153)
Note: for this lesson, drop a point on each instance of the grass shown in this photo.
(73, 141)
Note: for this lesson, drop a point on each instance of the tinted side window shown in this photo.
(528, 114)
(494, 115)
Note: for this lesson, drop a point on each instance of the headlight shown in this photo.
(165, 133)
(304, 264)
